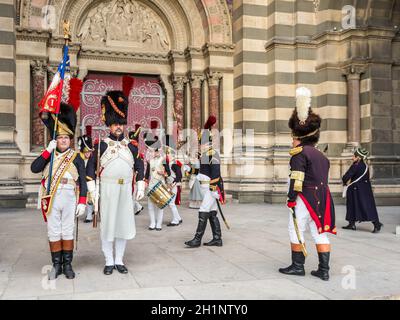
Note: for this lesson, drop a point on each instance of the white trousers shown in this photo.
(209, 202)
(60, 222)
(175, 213)
(156, 215)
(107, 247)
(89, 212)
(304, 219)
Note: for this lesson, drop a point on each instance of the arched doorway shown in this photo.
(146, 101)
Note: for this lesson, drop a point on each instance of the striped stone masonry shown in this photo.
(7, 71)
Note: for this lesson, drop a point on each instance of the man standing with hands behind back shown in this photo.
(119, 159)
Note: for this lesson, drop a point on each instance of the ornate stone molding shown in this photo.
(193, 53)
(30, 34)
(109, 55)
(219, 49)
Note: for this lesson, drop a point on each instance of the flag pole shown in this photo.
(67, 37)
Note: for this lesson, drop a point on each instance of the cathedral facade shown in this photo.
(240, 60)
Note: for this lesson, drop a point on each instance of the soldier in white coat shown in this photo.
(119, 159)
(157, 170)
(174, 181)
(85, 145)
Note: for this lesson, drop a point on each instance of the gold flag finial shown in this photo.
(67, 30)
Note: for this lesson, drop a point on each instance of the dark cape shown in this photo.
(360, 202)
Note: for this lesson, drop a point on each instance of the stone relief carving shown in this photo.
(126, 23)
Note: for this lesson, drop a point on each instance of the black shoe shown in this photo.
(87, 221)
(121, 268)
(136, 213)
(201, 227)
(216, 231)
(67, 267)
(323, 266)
(297, 266)
(173, 224)
(214, 242)
(108, 270)
(377, 227)
(56, 258)
(350, 226)
(150, 228)
(158, 229)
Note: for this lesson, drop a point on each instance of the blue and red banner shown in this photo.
(52, 99)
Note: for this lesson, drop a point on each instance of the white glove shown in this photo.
(80, 210)
(52, 145)
(140, 185)
(215, 194)
(187, 168)
(91, 186)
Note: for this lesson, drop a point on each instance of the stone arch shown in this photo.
(216, 20)
(76, 10)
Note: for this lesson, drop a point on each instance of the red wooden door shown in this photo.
(146, 102)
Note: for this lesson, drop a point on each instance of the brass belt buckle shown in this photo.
(120, 181)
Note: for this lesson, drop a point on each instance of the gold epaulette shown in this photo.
(295, 151)
(211, 152)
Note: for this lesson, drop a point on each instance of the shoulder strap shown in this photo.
(360, 177)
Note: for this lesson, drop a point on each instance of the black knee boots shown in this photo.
(56, 259)
(68, 247)
(297, 266)
(201, 227)
(216, 231)
(323, 266)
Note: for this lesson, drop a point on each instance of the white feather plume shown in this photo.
(303, 103)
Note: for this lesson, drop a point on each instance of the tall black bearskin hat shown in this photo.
(66, 120)
(85, 142)
(149, 136)
(206, 135)
(304, 123)
(114, 108)
(134, 135)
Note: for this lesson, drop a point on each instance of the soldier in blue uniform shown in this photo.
(360, 204)
(308, 193)
(211, 188)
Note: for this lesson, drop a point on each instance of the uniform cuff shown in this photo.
(46, 155)
(291, 204)
(82, 200)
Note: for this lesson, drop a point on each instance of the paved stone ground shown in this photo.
(160, 267)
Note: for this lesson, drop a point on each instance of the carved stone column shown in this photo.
(213, 95)
(178, 83)
(353, 74)
(195, 85)
(38, 69)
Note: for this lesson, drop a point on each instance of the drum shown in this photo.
(160, 195)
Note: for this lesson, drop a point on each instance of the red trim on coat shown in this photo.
(314, 216)
(178, 195)
(46, 154)
(82, 200)
(291, 204)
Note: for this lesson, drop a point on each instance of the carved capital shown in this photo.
(178, 82)
(195, 80)
(353, 72)
(38, 67)
(213, 78)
